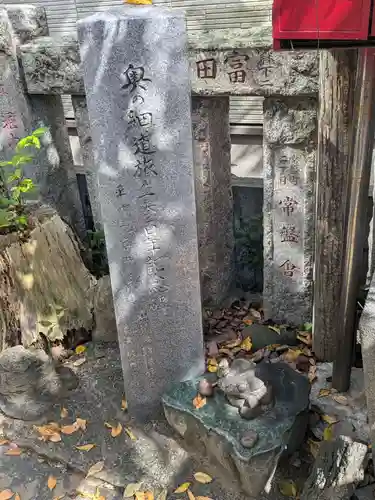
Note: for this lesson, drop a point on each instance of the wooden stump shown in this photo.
(44, 284)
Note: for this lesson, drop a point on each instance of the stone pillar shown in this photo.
(138, 99)
(84, 135)
(53, 167)
(289, 167)
(211, 135)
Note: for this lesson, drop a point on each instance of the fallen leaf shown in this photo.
(288, 488)
(116, 431)
(81, 423)
(59, 497)
(94, 469)
(246, 344)
(203, 498)
(69, 429)
(328, 433)
(4, 441)
(324, 392)
(80, 349)
(199, 401)
(275, 329)
(305, 338)
(313, 447)
(190, 495)
(292, 354)
(256, 314)
(51, 483)
(63, 413)
(308, 327)
(131, 490)
(329, 419)
(85, 447)
(227, 352)
(124, 404)
(130, 434)
(80, 361)
(17, 497)
(108, 425)
(312, 374)
(248, 322)
(48, 429)
(202, 477)
(272, 347)
(6, 494)
(182, 488)
(144, 495)
(55, 438)
(339, 398)
(13, 452)
(212, 365)
(233, 343)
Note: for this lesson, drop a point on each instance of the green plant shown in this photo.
(14, 186)
(98, 252)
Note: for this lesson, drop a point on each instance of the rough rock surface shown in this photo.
(339, 464)
(216, 430)
(104, 314)
(30, 382)
(28, 21)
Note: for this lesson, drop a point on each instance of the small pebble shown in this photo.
(205, 388)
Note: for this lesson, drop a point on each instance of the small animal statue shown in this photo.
(242, 388)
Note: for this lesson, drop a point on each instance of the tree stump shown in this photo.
(44, 284)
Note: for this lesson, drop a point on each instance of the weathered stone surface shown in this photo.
(105, 328)
(289, 168)
(212, 166)
(84, 134)
(216, 429)
(30, 383)
(53, 66)
(28, 22)
(141, 128)
(367, 493)
(56, 176)
(338, 466)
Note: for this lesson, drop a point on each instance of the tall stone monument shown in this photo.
(138, 96)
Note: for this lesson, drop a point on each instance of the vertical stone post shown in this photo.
(85, 140)
(138, 99)
(289, 168)
(211, 135)
(53, 167)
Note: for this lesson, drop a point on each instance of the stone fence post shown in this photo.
(138, 100)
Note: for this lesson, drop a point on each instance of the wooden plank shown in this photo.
(337, 82)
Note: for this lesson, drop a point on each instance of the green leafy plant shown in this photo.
(14, 186)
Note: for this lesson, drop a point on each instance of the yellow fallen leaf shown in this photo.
(17, 497)
(85, 447)
(80, 349)
(248, 322)
(163, 495)
(246, 344)
(4, 441)
(6, 494)
(55, 438)
(324, 392)
(275, 329)
(94, 469)
(305, 338)
(124, 404)
(292, 354)
(116, 431)
(108, 425)
(329, 419)
(227, 352)
(63, 413)
(203, 498)
(59, 497)
(202, 477)
(272, 347)
(212, 365)
(288, 488)
(140, 2)
(339, 398)
(48, 429)
(51, 483)
(328, 433)
(131, 490)
(144, 495)
(69, 429)
(13, 452)
(81, 423)
(130, 434)
(182, 488)
(190, 495)
(199, 401)
(313, 447)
